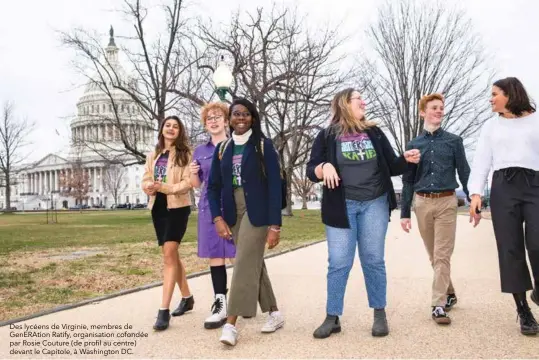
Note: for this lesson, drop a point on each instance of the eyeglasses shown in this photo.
(214, 118)
(241, 114)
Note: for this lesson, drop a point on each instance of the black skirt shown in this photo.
(169, 224)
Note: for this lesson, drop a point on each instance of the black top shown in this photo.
(357, 160)
(441, 154)
(333, 200)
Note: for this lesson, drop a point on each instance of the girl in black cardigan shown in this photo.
(355, 161)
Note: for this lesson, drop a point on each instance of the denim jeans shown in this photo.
(368, 226)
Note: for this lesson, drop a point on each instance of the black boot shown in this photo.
(380, 327)
(528, 324)
(330, 325)
(185, 305)
(163, 318)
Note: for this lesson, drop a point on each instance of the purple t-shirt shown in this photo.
(160, 170)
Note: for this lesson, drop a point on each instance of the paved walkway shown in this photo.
(484, 321)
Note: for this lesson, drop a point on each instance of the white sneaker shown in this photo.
(218, 316)
(275, 322)
(229, 335)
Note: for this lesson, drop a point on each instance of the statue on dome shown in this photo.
(111, 41)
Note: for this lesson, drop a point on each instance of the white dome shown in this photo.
(96, 118)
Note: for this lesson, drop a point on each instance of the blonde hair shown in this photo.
(343, 120)
(428, 98)
(213, 106)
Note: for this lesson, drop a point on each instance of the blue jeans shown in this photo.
(368, 226)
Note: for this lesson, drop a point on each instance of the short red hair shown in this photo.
(428, 98)
(213, 106)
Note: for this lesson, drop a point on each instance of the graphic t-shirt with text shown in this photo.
(160, 170)
(358, 164)
(236, 165)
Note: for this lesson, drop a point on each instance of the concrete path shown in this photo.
(484, 321)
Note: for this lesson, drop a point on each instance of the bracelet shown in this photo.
(324, 163)
(276, 230)
(217, 219)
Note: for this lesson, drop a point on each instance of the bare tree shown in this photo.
(423, 48)
(75, 182)
(114, 180)
(157, 67)
(289, 72)
(302, 186)
(14, 133)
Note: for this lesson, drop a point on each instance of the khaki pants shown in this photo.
(250, 280)
(437, 223)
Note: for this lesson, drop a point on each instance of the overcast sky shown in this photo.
(36, 74)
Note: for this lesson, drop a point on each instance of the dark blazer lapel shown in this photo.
(247, 151)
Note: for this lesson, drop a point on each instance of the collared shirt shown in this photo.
(441, 154)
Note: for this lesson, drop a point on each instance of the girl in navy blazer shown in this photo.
(245, 177)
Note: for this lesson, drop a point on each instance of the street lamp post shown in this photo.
(222, 78)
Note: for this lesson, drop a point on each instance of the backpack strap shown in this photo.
(222, 147)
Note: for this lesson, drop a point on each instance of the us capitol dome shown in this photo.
(96, 142)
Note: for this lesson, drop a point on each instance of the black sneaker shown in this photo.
(528, 324)
(535, 296)
(185, 305)
(451, 301)
(163, 319)
(439, 316)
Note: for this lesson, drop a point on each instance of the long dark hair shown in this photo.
(256, 127)
(181, 144)
(518, 99)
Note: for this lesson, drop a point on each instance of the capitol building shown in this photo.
(95, 133)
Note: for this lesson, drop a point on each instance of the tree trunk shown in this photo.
(287, 211)
(304, 199)
(8, 191)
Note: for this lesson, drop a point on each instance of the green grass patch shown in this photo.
(10, 279)
(40, 269)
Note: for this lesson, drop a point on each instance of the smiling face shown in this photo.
(241, 119)
(357, 105)
(498, 100)
(433, 113)
(171, 130)
(215, 122)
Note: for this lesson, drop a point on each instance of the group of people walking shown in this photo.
(240, 180)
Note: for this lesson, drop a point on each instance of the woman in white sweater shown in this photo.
(509, 145)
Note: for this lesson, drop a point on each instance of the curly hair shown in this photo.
(213, 106)
(181, 144)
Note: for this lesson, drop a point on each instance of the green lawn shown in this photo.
(121, 253)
